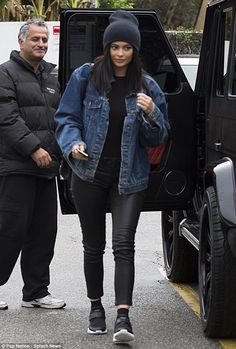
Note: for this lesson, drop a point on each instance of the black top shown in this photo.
(112, 146)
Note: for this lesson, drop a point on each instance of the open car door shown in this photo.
(172, 180)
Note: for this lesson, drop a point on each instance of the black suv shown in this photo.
(208, 225)
(193, 184)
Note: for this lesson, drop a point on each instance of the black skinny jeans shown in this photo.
(91, 201)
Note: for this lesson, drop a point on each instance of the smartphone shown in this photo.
(83, 153)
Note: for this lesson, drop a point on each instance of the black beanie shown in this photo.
(123, 27)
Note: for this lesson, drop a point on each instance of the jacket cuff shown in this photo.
(34, 149)
(149, 118)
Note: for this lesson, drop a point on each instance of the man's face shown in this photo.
(35, 46)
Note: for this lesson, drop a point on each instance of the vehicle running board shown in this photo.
(190, 230)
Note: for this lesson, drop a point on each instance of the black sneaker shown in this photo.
(97, 324)
(123, 332)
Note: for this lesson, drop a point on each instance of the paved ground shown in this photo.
(159, 316)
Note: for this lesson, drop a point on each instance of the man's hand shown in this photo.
(42, 158)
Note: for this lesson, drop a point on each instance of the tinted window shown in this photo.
(233, 70)
(223, 54)
(84, 43)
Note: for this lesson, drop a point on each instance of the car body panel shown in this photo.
(216, 86)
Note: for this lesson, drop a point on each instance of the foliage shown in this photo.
(173, 13)
(11, 10)
(71, 3)
(185, 41)
(2, 4)
(115, 4)
(40, 10)
(185, 14)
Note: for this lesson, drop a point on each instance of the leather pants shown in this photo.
(91, 201)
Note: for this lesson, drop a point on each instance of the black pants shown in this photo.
(91, 201)
(28, 223)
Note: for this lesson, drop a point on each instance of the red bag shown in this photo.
(155, 154)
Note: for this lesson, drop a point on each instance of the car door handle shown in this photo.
(217, 146)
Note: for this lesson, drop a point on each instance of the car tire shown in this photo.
(217, 273)
(180, 257)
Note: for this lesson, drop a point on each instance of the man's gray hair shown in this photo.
(25, 27)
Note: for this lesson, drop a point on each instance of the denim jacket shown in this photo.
(83, 117)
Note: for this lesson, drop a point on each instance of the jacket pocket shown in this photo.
(92, 110)
(93, 103)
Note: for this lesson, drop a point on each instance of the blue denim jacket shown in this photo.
(83, 117)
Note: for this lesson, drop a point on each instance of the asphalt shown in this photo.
(160, 317)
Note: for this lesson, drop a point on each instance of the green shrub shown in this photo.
(185, 41)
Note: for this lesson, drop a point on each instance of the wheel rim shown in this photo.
(168, 238)
(206, 266)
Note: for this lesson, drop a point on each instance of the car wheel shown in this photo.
(180, 257)
(217, 273)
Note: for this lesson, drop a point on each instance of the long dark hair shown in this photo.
(103, 72)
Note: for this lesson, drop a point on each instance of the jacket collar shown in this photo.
(43, 65)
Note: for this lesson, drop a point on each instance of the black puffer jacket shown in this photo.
(27, 106)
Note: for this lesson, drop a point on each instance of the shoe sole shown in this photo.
(44, 306)
(97, 332)
(4, 308)
(122, 337)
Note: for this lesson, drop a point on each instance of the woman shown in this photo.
(105, 121)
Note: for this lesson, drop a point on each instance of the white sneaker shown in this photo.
(47, 302)
(3, 305)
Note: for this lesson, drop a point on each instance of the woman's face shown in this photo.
(121, 55)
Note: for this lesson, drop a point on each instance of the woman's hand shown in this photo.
(145, 103)
(76, 152)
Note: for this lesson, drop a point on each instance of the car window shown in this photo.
(189, 64)
(84, 43)
(225, 33)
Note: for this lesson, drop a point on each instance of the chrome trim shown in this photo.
(183, 231)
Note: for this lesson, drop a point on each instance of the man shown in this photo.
(29, 162)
